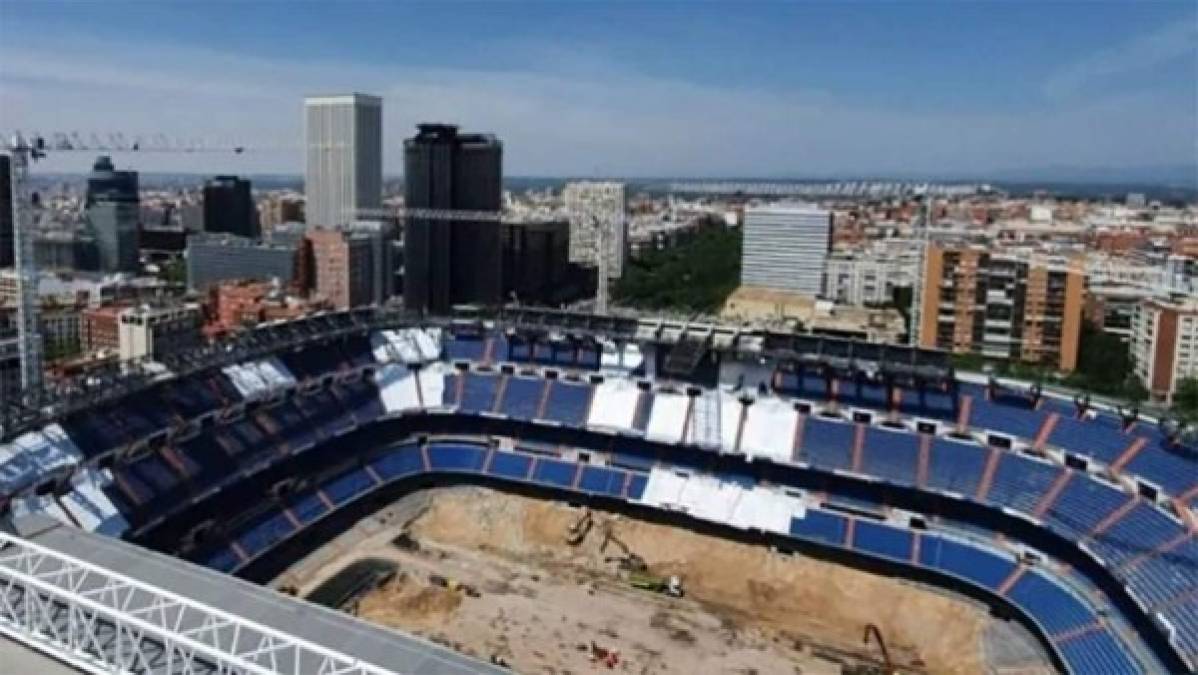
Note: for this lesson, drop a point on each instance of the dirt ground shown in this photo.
(541, 603)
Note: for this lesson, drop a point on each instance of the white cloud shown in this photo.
(595, 118)
(1131, 58)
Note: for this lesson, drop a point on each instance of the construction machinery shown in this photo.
(577, 531)
(628, 561)
(871, 629)
(667, 585)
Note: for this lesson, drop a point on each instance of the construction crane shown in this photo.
(24, 150)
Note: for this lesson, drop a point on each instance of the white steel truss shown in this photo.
(103, 622)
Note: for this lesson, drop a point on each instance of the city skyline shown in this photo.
(777, 91)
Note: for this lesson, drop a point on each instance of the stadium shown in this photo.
(1076, 521)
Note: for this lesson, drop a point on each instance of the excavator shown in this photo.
(579, 528)
(638, 574)
(871, 629)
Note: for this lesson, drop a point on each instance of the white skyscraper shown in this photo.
(785, 248)
(343, 170)
(594, 205)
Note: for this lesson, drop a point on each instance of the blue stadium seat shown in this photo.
(223, 560)
(1184, 618)
(510, 465)
(1020, 482)
(1082, 505)
(827, 445)
(1101, 438)
(347, 486)
(1172, 471)
(818, 525)
(154, 472)
(569, 403)
(1140, 530)
(891, 455)
(956, 467)
(462, 348)
(636, 486)
(522, 397)
(478, 395)
(1008, 417)
(1054, 608)
(554, 472)
(983, 567)
(445, 457)
(1096, 652)
(265, 534)
(401, 461)
(602, 481)
(309, 508)
(882, 540)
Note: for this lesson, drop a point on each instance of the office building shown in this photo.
(148, 331)
(343, 171)
(1002, 306)
(785, 248)
(536, 262)
(7, 240)
(451, 262)
(593, 207)
(229, 207)
(1164, 344)
(343, 265)
(113, 213)
(214, 258)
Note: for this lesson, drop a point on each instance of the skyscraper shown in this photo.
(785, 248)
(229, 207)
(344, 167)
(450, 262)
(6, 232)
(113, 213)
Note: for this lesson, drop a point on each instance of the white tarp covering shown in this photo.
(406, 345)
(44, 504)
(254, 379)
(33, 454)
(668, 417)
(769, 429)
(615, 360)
(432, 385)
(91, 507)
(714, 420)
(397, 388)
(728, 502)
(614, 404)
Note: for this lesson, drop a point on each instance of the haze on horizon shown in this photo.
(660, 89)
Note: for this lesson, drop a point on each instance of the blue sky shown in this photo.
(621, 88)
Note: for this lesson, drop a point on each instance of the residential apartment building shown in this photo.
(785, 248)
(867, 279)
(343, 263)
(1164, 344)
(214, 258)
(1002, 306)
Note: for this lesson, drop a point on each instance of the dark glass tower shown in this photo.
(452, 262)
(113, 211)
(229, 207)
(6, 232)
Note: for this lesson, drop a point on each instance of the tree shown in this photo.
(1185, 399)
(695, 276)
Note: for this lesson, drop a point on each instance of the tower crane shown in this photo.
(24, 150)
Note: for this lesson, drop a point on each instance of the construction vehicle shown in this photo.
(644, 580)
(579, 528)
(628, 561)
(877, 634)
(453, 585)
